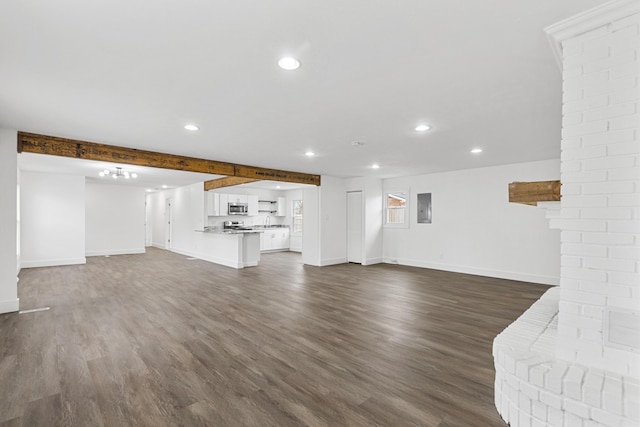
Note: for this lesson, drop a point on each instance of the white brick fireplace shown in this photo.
(573, 359)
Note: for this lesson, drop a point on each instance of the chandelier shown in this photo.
(118, 173)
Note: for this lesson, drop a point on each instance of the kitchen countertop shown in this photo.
(229, 231)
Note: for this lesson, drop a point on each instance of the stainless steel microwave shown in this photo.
(238, 209)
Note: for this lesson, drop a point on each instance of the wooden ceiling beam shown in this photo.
(226, 182)
(530, 193)
(55, 146)
(260, 174)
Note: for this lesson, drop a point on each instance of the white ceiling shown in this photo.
(134, 73)
(150, 178)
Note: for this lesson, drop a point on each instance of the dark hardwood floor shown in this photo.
(160, 340)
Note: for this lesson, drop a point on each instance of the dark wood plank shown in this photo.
(157, 339)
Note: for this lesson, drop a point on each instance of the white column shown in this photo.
(599, 319)
(8, 221)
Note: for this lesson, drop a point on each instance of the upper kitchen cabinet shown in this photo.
(238, 198)
(213, 204)
(281, 206)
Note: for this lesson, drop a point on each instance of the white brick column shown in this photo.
(573, 359)
(599, 318)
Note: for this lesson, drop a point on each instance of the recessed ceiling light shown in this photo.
(164, 186)
(476, 150)
(277, 186)
(289, 63)
(309, 154)
(375, 166)
(422, 128)
(191, 127)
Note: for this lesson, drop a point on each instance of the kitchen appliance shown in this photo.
(238, 209)
(235, 225)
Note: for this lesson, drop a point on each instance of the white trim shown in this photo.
(372, 261)
(499, 274)
(117, 252)
(10, 306)
(54, 262)
(333, 261)
(586, 21)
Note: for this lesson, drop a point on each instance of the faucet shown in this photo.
(267, 220)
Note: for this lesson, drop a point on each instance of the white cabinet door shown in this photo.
(253, 205)
(274, 239)
(281, 206)
(266, 240)
(281, 239)
(285, 238)
(263, 240)
(213, 204)
(224, 204)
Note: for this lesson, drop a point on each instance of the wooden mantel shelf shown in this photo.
(530, 193)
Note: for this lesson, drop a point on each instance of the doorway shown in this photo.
(354, 227)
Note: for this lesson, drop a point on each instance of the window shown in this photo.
(396, 208)
(297, 217)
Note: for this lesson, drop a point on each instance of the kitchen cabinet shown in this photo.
(237, 198)
(213, 204)
(218, 203)
(224, 204)
(281, 206)
(275, 239)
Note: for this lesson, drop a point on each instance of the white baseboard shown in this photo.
(10, 306)
(53, 262)
(333, 261)
(116, 252)
(372, 261)
(500, 274)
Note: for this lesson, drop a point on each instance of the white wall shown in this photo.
(311, 226)
(475, 229)
(52, 226)
(115, 219)
(333, 221)
(188, 216)
(8, 221)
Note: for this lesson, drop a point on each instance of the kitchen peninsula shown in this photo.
(233, 248)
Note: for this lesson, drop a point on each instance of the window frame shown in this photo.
(407, 211)
(294, 217)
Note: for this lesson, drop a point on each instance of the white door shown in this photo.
(168, 215)
(354, 226)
